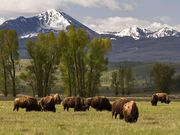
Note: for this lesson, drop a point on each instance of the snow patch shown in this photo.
(52, 19)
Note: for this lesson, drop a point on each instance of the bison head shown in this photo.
(57, 98)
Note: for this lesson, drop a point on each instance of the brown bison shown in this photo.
(100, 103)
(117, 107)
(163, 97)
(130, 111)
(28, 102)
(74, 102)
(48, 103)
(87, 103)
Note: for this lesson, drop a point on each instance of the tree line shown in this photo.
(81, 61)
(161, 75)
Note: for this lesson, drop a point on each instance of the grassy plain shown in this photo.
(161, 120)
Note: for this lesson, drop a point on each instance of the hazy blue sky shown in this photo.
(112, 15)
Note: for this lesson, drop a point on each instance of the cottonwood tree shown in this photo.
(82, 61)
(45, 57)
(161, 75)
(96, 63)
(115, 85)
(9, 57)
(122, 81)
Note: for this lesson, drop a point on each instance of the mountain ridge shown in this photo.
(134, 44)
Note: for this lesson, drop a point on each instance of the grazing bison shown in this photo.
(163, 97)
(28, 102)
(117, 107)
(74, 102)
(87, 103)
(100, 103)
(48, 103)
(130, 111)
(154, 100)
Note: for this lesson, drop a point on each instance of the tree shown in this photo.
(115, 83)
(45, 58)
(82, 61)
(162, 76)
(121, 76)
(29, 78)
(122, 80)
(129, 80)
(96, 63)
(9, 56)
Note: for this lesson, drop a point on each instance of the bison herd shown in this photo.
(125, 108)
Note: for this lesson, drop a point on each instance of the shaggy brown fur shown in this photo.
(74, 102)
(100, 103)
(154, 100)
(130, 112)
(28, 102)
(163, 97)
(87, 102)
(117, 107)
(48, 103)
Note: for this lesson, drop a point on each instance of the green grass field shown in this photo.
(161, 120)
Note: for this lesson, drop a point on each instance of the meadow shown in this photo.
(161, 120)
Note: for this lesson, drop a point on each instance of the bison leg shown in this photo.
(112, 114)
(54, 109)
(64, 108)
(121, 116)
(14, 108)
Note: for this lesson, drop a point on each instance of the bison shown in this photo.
(163, 97)
(100, 103)
(74, 102)
(28, 102)
(87, 102)
(117, 107)
(130, 112)
(48, 103)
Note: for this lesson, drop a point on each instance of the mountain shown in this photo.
(134, 32)
(131, 44)
(48, 21)
(2, 20)
(165, 32)
(141, 33)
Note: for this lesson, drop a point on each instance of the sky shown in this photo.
(102, 15)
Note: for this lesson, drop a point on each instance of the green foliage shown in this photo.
(115, 83)
(122, 80)
(45, 54)
(162, 76)
(8, 58)
(82, 61)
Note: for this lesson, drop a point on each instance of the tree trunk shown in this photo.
(5, 79)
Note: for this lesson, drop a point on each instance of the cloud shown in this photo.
(117, 24)
(114, 24)
(29, 6)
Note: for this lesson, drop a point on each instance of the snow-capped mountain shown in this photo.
(2, 20)
(134, 32)
(138, 33)
(51, 19)
(165, 32)
(48, 21)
